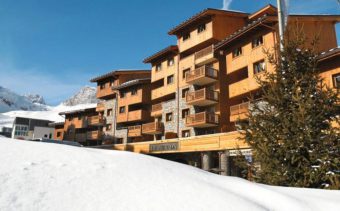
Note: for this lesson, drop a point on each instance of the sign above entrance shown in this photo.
(244, 152)
(173, 146)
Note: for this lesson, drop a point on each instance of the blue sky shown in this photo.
(53, 47)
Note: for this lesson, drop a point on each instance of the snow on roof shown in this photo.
(49, 176)
(132, 83)
(116, 72)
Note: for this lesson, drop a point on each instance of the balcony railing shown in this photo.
(205, 56)
(135, 131)
(202, 97)
(239, 109)
(152, 128)
(80, 137)
(202, 75)
(204, 52)
(203, 119)
(94, 135)
(156, 110)
(95, 120)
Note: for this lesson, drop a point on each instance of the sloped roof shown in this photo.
(77, 111)
(114, 73)
(172, 49)
(329, 54)
(203, 14)
(132, 83)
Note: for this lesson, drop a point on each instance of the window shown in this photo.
(185, 113)
(58, 134)
(170, 79)
(122, 109)
(158, 67)
(186, 36)
(134, 92)
(112, 82)
(119, 140)
(171, 62)
(185, 92)
(237, 52)
(259, 67)
(79, 117)
(336, 81)
(108, 127)
(257, 41)
(168, 117)
(201, 28)
(122, 94)
(102, 86)
(109, 112)
(185, 73)
(185, 133)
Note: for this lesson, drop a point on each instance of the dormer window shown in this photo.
(158, 67)
(171, 62)
(200, 28)
(186, 36)
(257, 41)
(237, 52)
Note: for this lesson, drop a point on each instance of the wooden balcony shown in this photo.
(239, 112)
(80, 137)
(95, 120)
(152, 128)
(205, 56)
(202, 120)
(133, 116)
(202, 97)
(157, 110)
(94, 135)
(100, 107)
(202, 76)
(135, 131)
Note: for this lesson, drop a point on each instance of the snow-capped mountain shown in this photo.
(35, 98)
(11, 101)
(86, 95)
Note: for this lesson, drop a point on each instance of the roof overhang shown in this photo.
(116, 73)
(204, 14)
(170, 50)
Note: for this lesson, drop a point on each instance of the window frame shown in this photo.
(257, 63)
(171, 60)
(185, 131)
(158, 67)
(122, 110)
(170, 114)
(334, 77)
(239, 53)
(186, 36)
(167, 79)
(201, 28)
(184, 111)
(255, 44)
(185, 91)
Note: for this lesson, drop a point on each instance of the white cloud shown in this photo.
(226, 4)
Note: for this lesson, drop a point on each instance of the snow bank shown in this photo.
(44, 176)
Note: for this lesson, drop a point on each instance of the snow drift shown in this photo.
(44, 176)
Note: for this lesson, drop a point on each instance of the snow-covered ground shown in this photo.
(44, 176)
(52, 114)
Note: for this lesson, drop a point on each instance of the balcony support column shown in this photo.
(206, 161)
(224, 163)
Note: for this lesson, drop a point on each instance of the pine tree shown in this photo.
(290, 128)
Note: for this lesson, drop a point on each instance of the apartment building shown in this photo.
(108, 109)
(201, 85)
(83, 126)
(134, 109)
(28, 128)
(242, 55)
(186, 81)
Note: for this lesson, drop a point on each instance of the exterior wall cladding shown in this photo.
(109, 104)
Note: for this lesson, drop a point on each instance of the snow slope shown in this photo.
(10, 101)
(44, 176)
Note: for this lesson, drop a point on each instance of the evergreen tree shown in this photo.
(290, 129)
